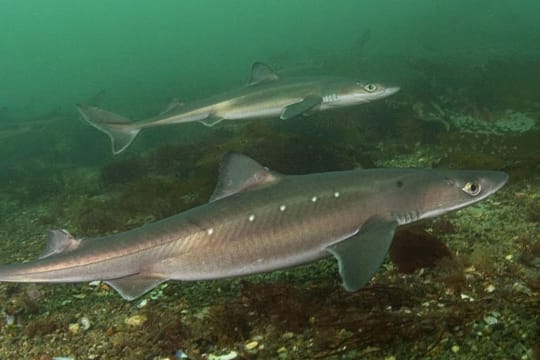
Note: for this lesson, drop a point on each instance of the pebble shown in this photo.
(85, 323)
(142, 303)
(230, 356)
(181, 355)
(135, 320)
(74, 328)
(10, 319)
(252, 345)
(288, 335)
(518, 287)
(491, 319)
(455, 348)
(490, 288)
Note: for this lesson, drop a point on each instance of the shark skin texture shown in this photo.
(259, 221)
(266, 95)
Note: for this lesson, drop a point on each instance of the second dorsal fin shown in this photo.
(239, 173)
(59, 241)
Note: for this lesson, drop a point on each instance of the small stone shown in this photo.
(490, 320)
(455, 348)
(230, 356)
(142, 303)
(135, 320)
(518, 287)
(85, 323)
(74, 328)
(181, 355)
(252, 345)
(490, 288)
(94, 283)
(10, 319)
(288, 335)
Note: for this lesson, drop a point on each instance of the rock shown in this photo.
(230, 356)
(252, 345)
(85, 323)
(74, 328)
(135, 320)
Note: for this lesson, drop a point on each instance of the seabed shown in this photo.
(479, 299)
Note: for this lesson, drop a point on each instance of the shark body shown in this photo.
(266, 95)
(259, 221)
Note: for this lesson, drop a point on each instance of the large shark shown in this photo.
(266, 95)
(259, 221)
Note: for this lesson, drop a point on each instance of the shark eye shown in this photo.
(472, 188)
(370, 87)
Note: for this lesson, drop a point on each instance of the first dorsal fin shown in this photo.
(261, 73)
(239, 173)
(59, 241)
(173, 105)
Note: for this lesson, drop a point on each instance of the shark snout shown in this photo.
(496, 180)
(390, 90)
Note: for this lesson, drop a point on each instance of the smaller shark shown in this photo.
(266, 95)
(259, 221)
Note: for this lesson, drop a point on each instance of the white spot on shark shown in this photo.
(210, 231)
(282, 208)
(251, 217)
(314, 199)
(336, 194)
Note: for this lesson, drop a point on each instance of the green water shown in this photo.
(469, 72)
(64, 52)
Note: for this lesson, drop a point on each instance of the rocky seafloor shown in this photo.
(470, 290)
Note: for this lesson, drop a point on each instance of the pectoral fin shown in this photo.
(360, 256)
(134, 286)
(301, 107)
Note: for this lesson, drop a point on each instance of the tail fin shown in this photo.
(121, 130)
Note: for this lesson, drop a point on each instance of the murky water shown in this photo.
(469, 73)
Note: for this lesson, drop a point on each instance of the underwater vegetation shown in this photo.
(414, 248)
(463, 286)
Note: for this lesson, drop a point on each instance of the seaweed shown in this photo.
(285, 306)
(122, 171)
(414, 248)
(530, 253)
(231, 323)
(47, 325)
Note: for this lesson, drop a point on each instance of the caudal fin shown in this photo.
(121, 130)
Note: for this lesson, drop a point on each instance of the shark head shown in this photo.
(443, 191)
(349, 92)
